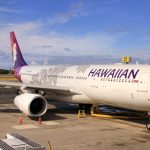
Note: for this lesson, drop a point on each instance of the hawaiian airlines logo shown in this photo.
(114, 73)
(14, 52)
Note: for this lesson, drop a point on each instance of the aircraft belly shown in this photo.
(71, 99)
(112, 96)
(128, 99)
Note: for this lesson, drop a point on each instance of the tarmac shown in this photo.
(65, 131)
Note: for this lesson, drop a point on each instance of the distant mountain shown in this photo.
(35, 59)
(81, 60)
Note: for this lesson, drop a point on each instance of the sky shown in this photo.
(46, 28)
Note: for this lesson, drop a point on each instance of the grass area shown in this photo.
(6, 75)
(3, 71)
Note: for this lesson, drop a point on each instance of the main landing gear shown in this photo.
(85, 107)
(90, 108)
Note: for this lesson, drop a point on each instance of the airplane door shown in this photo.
(94, 82)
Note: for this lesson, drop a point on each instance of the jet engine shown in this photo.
(32, 105)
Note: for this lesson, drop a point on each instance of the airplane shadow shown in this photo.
(57, 112)
(55, 109)
(60, 108)
(138, 117)
(9, 110)
(51, 114)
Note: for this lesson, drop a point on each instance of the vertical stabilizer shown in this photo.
(17, 55)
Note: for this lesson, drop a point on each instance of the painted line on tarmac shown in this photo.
(22, 127)
(50, 123)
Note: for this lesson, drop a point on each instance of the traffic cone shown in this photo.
(20, 120)
(40, 120)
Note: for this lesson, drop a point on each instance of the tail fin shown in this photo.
(17, 55)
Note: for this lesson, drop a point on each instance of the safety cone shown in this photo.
(40, 120)
(20, 120)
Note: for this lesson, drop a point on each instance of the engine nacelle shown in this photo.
(32, 105)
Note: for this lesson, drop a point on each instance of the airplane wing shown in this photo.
(64, 90)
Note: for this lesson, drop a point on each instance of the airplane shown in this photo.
(121, 85)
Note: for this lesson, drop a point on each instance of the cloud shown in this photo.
(116, 30)
(76, 6)
(43, 46)
(32, 39)
(5, 61)
(37, 45)
(75, 10)
(8, 2)
(110, 2)
(22, 30)
(8, 10)
(67, 49)
(87, 44)
(62, 18)
(58, 48)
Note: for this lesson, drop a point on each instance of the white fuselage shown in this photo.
(125, 86)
